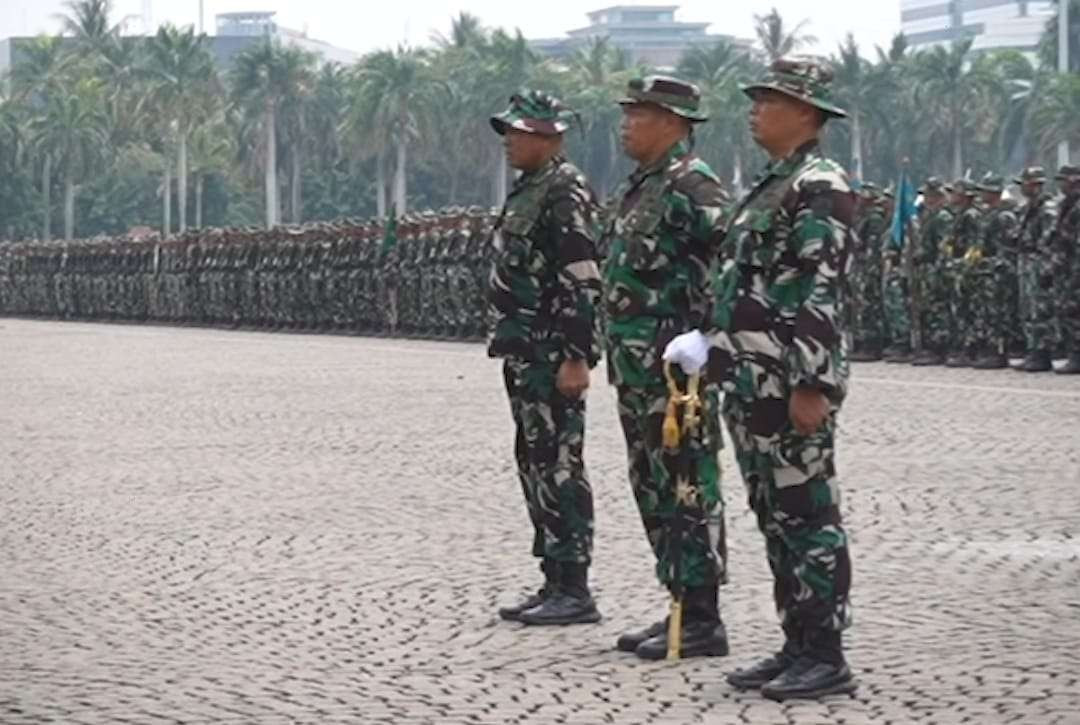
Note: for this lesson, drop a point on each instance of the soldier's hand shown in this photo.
(572, 379)
(808, 409)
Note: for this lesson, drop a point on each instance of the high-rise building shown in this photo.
(994, 24)
(647, 33)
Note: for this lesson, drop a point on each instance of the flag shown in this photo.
(904, 211)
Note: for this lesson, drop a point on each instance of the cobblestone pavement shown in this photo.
(208, 526)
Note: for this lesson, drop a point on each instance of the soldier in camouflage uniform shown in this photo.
(965, 237)
(1065, 243)
(895, 289)
(1037, 218)
(931, 278)
(868, 321)
(543, 289)
(776, 343)
(662, 231)
(993, 283)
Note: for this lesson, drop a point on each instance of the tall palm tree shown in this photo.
(855, 86)
(211, 150)
(1057, 113)
(73, 127)
(181, 74)
(263, 85)
(297, 71)
(776, 39)
(719, 70)
(400, 89)
(89, 23)
(949, 83)
(42, 74)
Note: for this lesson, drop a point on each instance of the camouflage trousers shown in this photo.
(793, 489)
(897, 307)
(549, 444)
(868, 328)
(989, 286)
(1068, 299)
(960, 310)
(931, 308)
(1037, 301)
(702, 546)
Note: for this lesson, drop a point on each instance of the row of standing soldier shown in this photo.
(982, 276)
(424, 275)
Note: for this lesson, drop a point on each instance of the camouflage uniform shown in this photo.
(931, 277)
(663, 230)
(895, 289)
(1035, 270)
(1065, 242)
(993, 282)
(868, 315)
(965, 236)
(777, 325)
(543, 288)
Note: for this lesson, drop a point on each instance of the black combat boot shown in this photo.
(571, 604)
(866, 354)
(899, 356)
(703, 633)
(765, 670)
(959, 359)
(630, 641)
(1037, 361)
(990, 360)
(1071, 366)
(820, 670)
(927, 358)
(551, 584)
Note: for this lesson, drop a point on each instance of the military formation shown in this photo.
(424, 275)
(976, 278)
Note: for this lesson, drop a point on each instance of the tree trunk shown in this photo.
(198, 200)
(270, 176)
(46, 193)
(856, 144)
(181, 181)
(498, 182)
(166, 202)
(380, 186)
(69, 207)
(399, 176)
(958, 154)
(294, 186)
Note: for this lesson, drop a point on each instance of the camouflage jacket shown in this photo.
(1066, 235)
(544, 282)
(999, 230)
(781, 291)
(662, 232)
(935, 231)
(967, 229)
(1037, 219)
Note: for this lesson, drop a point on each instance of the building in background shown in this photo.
(648, 34)
(994, 24)
(235, 32)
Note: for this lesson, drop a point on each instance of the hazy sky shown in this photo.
(362, 25)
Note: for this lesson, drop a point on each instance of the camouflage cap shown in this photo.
(934, 185)
(869, 190)
(991, 182)
(679, 97)
(808, 80)
(964, 186)
(534, 112)
(1031, 173)
(1068, 172)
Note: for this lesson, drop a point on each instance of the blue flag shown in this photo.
(904, 211)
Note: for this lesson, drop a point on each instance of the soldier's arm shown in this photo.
(820, 236)
(702, 203)
(577, 276)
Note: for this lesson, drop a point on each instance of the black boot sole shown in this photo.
(718, 649)
(585, 618)
(845, 687)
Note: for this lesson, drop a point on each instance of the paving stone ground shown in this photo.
(203, 526)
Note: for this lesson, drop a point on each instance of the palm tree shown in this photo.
(719, 71)
(855, 86)
(264, 82)
(775, 39)
(297, 78)
(949, 83)
(41, 75)
(73, 127)
(400, 89)
(181, 73)
(211, 149)
(89, 24)
(1057, 113)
